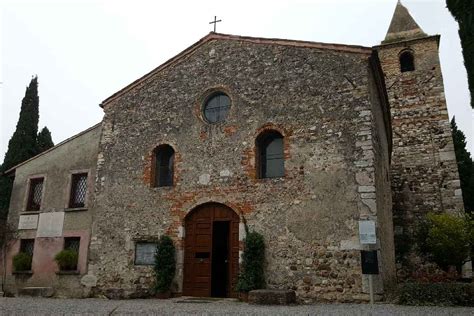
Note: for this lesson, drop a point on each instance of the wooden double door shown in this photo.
(211, 252)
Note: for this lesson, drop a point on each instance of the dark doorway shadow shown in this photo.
(220, 256)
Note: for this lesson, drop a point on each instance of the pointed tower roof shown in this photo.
(403, 26)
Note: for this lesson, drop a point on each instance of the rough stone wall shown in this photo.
(56, 166)
(424, 173)
(382, 144)
(320, 102)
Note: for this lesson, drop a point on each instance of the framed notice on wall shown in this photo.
(367, 232)
(145, 253)
(28, 221)
(50, 224)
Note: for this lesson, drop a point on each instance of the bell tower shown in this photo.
(424, 174)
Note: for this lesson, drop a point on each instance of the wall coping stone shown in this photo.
(272, 297)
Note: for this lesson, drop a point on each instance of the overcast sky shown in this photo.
(84, 51)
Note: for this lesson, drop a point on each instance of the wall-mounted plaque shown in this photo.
(145, 253)
(50, 224)
(28, 221)
(367, 232)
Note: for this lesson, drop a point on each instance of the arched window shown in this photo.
(270, 155)
(407, 61)
(163, 166)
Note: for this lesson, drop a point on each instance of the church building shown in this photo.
(296, 140)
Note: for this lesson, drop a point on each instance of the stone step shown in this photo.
(272, 297)
(36, 291)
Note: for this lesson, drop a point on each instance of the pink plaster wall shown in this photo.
(43, 265)
(14, 249)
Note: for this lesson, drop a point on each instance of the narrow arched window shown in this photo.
(407, 62)
(164, 166)
(271, 162)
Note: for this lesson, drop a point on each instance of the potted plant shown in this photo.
(165, 266)
(251, 276)
(22, 262)
(67, 260)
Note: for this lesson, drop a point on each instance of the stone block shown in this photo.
(204, 179)
(114, 293)
(371, 204)
(447, 156)
(366, 188)
(36, 291)
(272, 297)
(89, 280)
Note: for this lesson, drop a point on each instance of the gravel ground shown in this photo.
(180, 306)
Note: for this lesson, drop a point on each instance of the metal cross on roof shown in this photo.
(215, 22)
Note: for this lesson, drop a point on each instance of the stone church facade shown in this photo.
(296, 140)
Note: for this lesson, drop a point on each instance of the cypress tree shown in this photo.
(22, 146)
(6, 184)
(463, 13)
(44, 141)
(465, 167)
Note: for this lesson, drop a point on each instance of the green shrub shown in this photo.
(66, 259)
(22, 262)
(403, 246)
(448, 239)
(165, 264)
(252, 275)
(442, 294)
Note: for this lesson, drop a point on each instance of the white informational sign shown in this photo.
(50, 224)
(367, 232)
(28, 222)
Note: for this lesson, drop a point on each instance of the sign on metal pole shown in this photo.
(370, 266)
(367, 232)
(369, 261)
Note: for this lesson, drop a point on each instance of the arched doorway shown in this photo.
(211, 251)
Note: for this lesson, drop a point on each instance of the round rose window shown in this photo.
(216, 108)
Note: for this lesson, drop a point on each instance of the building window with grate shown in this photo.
(72, 243)
(22, 261)
(35, 194)
(27, 246)
(163, 166)
(68, 258)
(78, 190)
